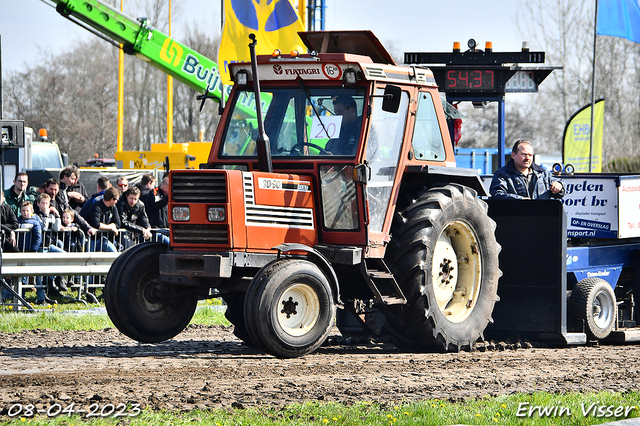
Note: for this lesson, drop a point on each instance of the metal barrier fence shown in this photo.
(76, 240)
(79, 261)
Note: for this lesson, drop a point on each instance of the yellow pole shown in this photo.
(302, 10)
(120, 136)
(169, 98)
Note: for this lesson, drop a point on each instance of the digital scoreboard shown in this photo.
(469, 80)
(478, 73)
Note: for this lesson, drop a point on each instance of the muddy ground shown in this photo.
(207, 367)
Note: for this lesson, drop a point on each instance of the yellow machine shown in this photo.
(181, 156)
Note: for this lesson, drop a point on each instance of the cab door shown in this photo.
(386, 134)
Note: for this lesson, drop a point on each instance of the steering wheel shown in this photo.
(297, 148)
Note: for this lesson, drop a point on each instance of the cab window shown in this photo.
(299, 121)
(427, 140)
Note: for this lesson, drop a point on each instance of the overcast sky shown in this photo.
(30, 28)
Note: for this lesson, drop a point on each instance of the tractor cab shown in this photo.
(342, 118)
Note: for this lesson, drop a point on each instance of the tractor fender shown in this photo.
(322, 263)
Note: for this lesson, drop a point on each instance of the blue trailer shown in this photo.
(484, 160)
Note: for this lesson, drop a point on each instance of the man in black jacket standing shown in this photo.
(156, 204)
(133, 216)
(9, 222)
(103, 215)
(75, 190)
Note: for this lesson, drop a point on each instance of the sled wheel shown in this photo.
(445, 255)
(289, 308)
(235, 314)
(594, 301)
(144, 308)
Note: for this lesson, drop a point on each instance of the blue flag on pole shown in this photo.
(619, 18)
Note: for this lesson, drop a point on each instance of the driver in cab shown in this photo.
(347, 142)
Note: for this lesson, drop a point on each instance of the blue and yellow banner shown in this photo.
(576, 140)
(274, 22)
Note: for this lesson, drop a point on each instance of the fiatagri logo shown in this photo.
(331, 71)
(301, 71)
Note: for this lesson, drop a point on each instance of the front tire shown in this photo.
(235, 315)
(139, 304)
(594, 301)
(289, 308)
(444, 254)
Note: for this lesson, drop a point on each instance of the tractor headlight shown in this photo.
(181, 213)
(216, 214)
(242, 78)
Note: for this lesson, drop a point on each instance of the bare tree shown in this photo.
(74, 94)
(564, 29)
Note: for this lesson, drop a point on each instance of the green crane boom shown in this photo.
(152, 46)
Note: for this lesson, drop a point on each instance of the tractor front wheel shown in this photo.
(139, 304)
(289, 308)
(235, 315)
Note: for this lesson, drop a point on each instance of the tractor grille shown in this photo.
(373, 72)
(199, 188)
(264, 215)
(289, 217)
(200, 234)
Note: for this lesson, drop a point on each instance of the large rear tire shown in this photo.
(594, 301)
(444, 254)
(139, 304)
(289, 308)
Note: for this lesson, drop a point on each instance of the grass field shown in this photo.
(517, 409)
(65, 316)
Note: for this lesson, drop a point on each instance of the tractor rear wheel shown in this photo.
(594, 301)
(289, 308)
(444, 254)
(139, 304)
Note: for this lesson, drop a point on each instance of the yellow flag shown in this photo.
(274, 22)
(577, 134)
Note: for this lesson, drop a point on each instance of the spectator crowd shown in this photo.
(60, 216)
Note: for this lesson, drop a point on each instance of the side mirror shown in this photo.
(206, 96)
(391, 101)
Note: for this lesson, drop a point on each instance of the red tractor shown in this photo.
(331, 183)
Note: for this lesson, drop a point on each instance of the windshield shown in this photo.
(299, 121)
(45, 156)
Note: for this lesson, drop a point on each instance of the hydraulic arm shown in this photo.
(139, 38)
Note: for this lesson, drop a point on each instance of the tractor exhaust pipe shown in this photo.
(262, 141)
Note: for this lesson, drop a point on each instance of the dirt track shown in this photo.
(209, 367)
